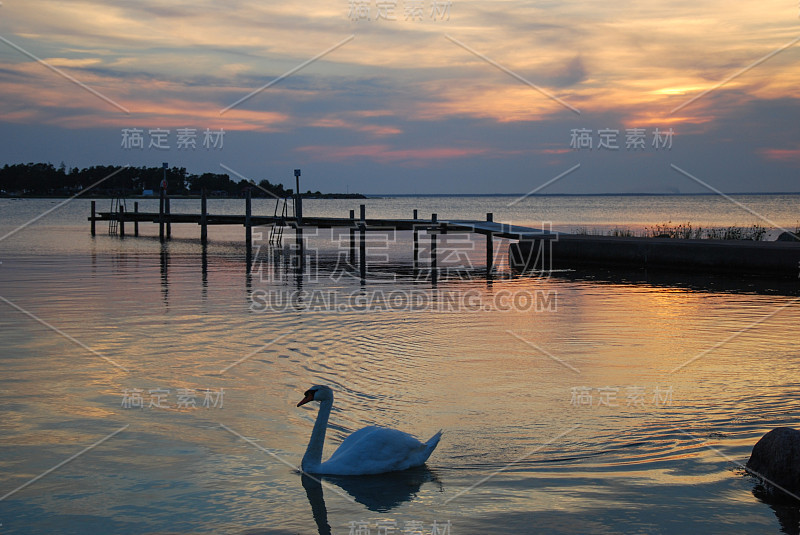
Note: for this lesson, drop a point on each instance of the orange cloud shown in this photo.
(638, 64)
(45, 97)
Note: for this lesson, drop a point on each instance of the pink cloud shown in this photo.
(554, 151)
(782, 155)
(375, 130)
(385, 154)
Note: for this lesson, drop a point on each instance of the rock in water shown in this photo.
(776, 460)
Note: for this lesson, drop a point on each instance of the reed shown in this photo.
(754, 232)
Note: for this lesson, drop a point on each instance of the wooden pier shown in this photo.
(534, 249)
(361, 225)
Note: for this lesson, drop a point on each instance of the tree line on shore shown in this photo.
(41, 179)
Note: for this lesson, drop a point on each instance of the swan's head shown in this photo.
(317, 393)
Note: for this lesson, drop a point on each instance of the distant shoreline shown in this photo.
(415, 195)
(196, 197)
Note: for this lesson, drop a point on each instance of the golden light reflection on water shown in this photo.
(499, 399)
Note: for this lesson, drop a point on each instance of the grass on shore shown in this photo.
(685, 231)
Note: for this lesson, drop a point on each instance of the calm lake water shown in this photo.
(582, 402)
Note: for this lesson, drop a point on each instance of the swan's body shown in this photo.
(371, 450)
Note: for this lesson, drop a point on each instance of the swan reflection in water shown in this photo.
(379, 493)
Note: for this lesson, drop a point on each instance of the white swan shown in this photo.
(371, 450)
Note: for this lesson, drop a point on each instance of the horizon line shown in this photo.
(636, 194)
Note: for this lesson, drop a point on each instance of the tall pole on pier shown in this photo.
(298, 202)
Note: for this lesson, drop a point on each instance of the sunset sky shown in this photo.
(413, 96)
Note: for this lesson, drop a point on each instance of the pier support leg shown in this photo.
(161, 216)
(204, 218)
(363, 252)
(489, 247)
(94, 207)
(136, 221)
(353, 238)
(121, 216)
(300, 253)
(434, 269)
(248, 229)
(416, 243)
(363, 244)
(416, 248)
(169, 223)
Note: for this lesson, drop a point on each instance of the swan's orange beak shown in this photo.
(309, 397)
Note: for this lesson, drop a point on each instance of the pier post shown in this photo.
(161, 216)
(363, 245)
(434, 273)
(169, 222)
(203, 217)
(353, 238)
(489, 246)
(416, 242)
(248, 229)
(300, 253)
(121, 216)
(136, 221)
(93, 216)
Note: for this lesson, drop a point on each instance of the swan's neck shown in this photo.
(313, 457)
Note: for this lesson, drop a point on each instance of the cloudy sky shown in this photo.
(413, 96)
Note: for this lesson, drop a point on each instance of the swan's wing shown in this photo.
(375, 450)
